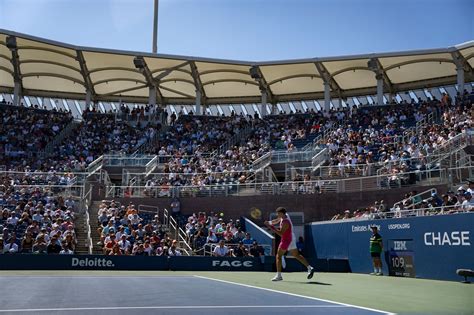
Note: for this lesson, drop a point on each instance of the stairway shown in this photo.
(68, 130)
(93, 211)
(81, 235)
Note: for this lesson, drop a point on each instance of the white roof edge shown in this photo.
(241, 62)
(464, 45)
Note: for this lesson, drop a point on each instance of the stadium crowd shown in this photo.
(413, 204)
(26, 131)
(35, 219)
(125, 231)
(211, 234)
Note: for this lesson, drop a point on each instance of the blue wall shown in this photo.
(438, 245)
(258, 234)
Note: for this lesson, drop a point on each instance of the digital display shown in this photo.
(401, 258)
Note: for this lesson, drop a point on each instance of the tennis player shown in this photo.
(287, 243)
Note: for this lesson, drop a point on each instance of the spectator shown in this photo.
(41, 245)
(66, 250)
(11, 247)
(173, 250)
(248, 240)
(54, 246)
(468, 203)
(221, 250)
(256, 250)
(124, 244)
(175, 207)
(27, 243)
(240, 250)
(211, 238)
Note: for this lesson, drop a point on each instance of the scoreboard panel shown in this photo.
(401, 258)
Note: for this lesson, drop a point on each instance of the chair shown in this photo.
(465, 273)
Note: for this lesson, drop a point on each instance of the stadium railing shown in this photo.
(293, 156)
(416, 199)
(86, 201)
(357, 184)
(419, 212)
(75, 192)
(141, 178)
(179, 234)
(208, 248)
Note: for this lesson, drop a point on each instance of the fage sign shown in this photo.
(232, 263)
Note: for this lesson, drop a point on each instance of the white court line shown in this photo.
(113, 308)
(297, 295)
(93, 277)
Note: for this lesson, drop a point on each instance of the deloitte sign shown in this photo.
(92, 262)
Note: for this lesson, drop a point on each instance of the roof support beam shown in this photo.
(329, 84)
(168, 71)
(90, 91)
(383, 81)
(257, 75)
(18, 88)
(152, 84)
(386, 79)
(462, 68)
(201, 97)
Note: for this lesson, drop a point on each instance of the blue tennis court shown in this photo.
(154, 295)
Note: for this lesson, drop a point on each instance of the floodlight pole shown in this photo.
(152, 89)
(155, 28)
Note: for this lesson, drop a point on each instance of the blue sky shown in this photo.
(253, 30)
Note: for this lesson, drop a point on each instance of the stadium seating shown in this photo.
(38, 219)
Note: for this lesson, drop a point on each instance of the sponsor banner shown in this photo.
(81, 262)
(215, 263)
(400, 245)
(438, 244)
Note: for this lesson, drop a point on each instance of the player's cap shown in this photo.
(374, 227)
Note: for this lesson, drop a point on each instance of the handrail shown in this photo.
(402, 213)
(35, 173)
(319, 158)
(212, 246)
(58, 138)
(95, 165)
(369, 169)
(180, 235)
(262, 161)
(151, 166)
(48, 186)
(356, 184)
(87, 200)
(417, 196)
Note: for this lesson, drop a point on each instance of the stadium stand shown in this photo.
(418, 135)
(36, 218)
(26, 131)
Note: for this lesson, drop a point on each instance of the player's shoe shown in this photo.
(310, 273)
(379, 274)
(373, 273)
(277, 278)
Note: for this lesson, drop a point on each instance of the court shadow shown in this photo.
(314, 282)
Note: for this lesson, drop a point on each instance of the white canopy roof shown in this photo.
(53, 69)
